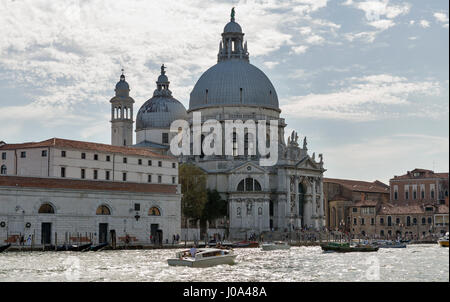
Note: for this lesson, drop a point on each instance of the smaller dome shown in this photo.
(232, 27)
(160, 112)
(122, 87)
(163, 78)
(162, 109)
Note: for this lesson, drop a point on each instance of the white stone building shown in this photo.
(62, 191)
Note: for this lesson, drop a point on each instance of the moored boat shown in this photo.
(346, 248)
(98, 247)
(272, 246)
(203, 257)
(245, 243)
(4, 247)
(390, 244)
(443, 241)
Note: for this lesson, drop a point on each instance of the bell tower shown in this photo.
(122, 115)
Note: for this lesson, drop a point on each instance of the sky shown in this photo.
(367, 82)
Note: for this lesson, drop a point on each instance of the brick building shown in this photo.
(342, 194)
(417, 209)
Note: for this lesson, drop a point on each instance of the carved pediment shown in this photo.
(308, 163)
(248, 168)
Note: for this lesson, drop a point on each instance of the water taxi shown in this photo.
(245, 243)
(443, 241)
(203, 257)
(272, 246)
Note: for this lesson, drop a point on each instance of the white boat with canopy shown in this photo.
(203, 257)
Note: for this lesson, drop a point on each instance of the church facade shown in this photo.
(285, 196)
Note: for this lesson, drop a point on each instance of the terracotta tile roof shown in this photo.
(410, 208)
(424, 174)
(339, 198)
(60, 183)
(366, 203)
(360, 186)
(66, 143)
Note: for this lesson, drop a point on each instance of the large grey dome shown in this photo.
(231, 83)
(159, 112)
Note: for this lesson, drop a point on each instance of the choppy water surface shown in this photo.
(415, 263)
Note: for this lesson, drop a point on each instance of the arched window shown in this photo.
(46, 208)
(103, 210)
(389, 220)
(408, 221)
(249, 185)
(238, 212)
(154, 211)
(3, 170)
(423, 220)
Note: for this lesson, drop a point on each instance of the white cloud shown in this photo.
(442, 18)
(378, 14)
(315, 39)
(382, 24)
(366, 98)
(271, 64)
(424, 23)
(299, 49)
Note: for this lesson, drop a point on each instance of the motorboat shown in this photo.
(246, 243)
(443, 241)
(272, 246)
(202, 257)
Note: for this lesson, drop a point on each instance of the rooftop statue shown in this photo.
(232, 14)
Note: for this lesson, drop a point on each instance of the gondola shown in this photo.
(4, 247)
(79, 248)
(97, 247)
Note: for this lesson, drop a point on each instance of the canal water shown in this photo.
(414, 263)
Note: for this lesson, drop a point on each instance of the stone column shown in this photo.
(288, 198)
(314, 203)
(297, 205)
(322, 204)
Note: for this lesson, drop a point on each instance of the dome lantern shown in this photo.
(232, 44)
(122, 87)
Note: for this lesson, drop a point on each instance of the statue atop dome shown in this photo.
(232, 14)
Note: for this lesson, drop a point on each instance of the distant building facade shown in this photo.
(342, 194)
(420, 185)
(417, 209)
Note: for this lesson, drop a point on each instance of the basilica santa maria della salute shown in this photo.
(285, 196)
(129, 191)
